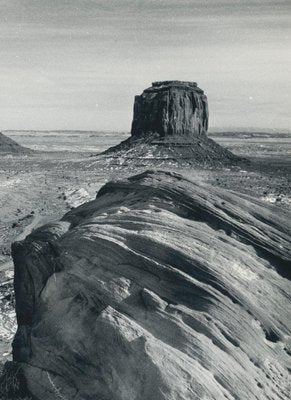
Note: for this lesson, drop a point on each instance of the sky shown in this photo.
(77, 64)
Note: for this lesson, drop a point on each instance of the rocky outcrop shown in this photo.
(8, 146)
(169, 127)
(161, 288)
(171, 108)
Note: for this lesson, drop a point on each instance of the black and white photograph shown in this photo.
(145, 199)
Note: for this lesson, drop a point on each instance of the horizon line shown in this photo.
(211, 130)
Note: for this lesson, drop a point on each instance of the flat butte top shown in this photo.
(166, 85)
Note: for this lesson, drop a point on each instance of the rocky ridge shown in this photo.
(160, 288)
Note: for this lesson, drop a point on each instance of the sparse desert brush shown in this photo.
(10, 383)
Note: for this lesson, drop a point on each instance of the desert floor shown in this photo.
(63, 173)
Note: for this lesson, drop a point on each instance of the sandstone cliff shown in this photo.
(171, 108)
(169, 127)
(162, 289)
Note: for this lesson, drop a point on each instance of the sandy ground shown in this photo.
(43, 186)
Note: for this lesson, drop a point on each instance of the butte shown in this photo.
(169, 127)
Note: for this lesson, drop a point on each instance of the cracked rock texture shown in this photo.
(161, 288)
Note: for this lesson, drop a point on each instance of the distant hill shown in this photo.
(249, 134)
(8, 145)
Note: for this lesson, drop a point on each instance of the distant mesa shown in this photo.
(170, 123)
(8, 146)
(171, 108)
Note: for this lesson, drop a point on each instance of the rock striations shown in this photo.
(160, 288)
(171, 108)
(9, 146)
(170, 122)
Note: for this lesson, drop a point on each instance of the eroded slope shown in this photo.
(9, 146)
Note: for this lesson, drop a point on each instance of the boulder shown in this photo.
(160, 288)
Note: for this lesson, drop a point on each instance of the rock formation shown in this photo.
(171, 108)
(170, 123)
(160, 288)
(9, 146)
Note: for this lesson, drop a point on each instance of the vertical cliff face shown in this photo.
(171, 108)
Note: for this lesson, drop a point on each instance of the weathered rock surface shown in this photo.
(8, 145)
(170, 123)
(161, 288)
(171, 108)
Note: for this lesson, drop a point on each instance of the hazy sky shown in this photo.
(77, 64)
